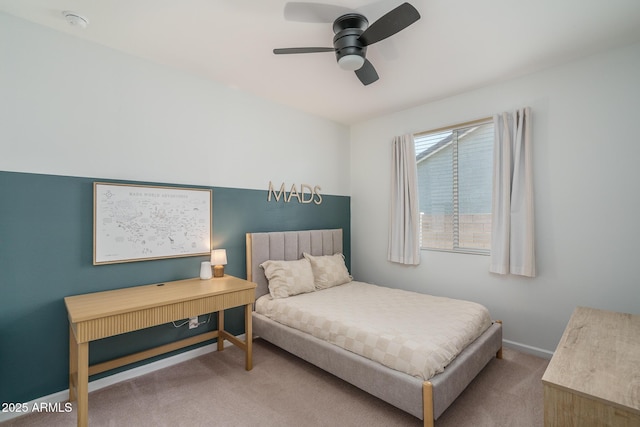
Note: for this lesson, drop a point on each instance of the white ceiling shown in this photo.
(456, 46)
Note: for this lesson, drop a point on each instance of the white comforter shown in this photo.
(414, 333)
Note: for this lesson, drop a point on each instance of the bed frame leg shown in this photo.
(499, 352)
(427, 403)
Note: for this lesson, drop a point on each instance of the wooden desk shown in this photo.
(104, 314)
(593, 378)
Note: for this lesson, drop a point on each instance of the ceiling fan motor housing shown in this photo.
(347, 29)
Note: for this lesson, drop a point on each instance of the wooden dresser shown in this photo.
(593, 378)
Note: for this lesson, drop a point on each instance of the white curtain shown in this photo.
(404, 221)
(512, 231)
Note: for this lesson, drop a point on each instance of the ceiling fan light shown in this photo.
(351, 62)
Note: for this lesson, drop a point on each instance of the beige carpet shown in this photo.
(282, 390)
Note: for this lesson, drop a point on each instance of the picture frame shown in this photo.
(134, 222)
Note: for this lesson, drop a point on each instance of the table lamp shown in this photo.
(218, 260)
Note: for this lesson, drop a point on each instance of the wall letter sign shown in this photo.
(307, 194)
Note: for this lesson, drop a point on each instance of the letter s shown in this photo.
(316, 191)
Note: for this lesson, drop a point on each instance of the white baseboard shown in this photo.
(63, 396)
(539, 352)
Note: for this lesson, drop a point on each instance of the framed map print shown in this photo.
(139, 222)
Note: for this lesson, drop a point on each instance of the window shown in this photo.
(454, 187)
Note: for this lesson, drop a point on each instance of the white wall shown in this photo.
(587, 195)
(71, 107)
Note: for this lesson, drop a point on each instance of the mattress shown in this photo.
(410, 332)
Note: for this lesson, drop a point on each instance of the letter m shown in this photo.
(278, 195)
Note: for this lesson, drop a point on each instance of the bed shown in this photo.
(426, 397)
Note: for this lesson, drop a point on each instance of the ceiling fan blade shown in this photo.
(313, 12)
(290, 50)
(367, 74)
(389, 24)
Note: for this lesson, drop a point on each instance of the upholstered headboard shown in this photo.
(288, 246)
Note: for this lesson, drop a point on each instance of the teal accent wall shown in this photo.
(46, 253)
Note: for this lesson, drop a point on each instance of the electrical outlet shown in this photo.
(193, 322)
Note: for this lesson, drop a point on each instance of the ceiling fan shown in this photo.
(353, 34)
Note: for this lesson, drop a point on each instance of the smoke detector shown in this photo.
(75, 20)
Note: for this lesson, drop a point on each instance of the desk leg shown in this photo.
(73, 364)
(83, 384)
(248, 334)
(220, 329)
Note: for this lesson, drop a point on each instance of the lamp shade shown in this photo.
(219, 257)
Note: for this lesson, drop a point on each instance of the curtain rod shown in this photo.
(459, 125)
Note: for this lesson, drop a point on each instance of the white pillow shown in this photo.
(328, 270)
(288, 278)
